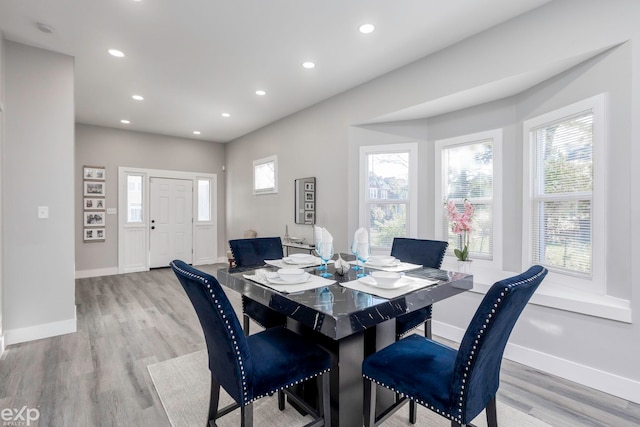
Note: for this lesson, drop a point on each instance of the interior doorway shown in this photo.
(170, 221)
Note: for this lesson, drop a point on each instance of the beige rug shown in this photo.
(183, 387)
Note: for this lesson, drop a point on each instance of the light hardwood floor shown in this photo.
(98, 376)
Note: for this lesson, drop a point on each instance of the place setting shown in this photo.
(295, 261)
(388, 284)
(288, 280)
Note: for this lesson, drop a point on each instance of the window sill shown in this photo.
(558, 296)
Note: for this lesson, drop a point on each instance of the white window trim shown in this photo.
(563, 282)
(496, 136)
(271, 159)
(412, 208)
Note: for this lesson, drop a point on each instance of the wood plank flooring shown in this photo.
(98, 376)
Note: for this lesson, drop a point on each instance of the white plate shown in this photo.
(276, 280)
(381, 263)
(401, 283)
(299, 259)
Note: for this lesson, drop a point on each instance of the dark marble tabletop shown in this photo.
(338, 312)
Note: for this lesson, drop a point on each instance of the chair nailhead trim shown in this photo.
(245, 402)
(470, 360)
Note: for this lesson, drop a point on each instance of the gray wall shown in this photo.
(2, 73)
(38, 254)
(323, 141)
(112, 148)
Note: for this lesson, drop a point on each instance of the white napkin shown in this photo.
(317, 234)
(326, 244)
(360, 236)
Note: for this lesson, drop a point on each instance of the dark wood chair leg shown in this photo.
(246, 415)
(369, 404)
(427, 328)
(413, 410)
(455, 424)
(214, 399)
(492, 415)
(245, 324)
(281, 400)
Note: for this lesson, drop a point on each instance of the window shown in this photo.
(265, 175)
(204, 200)
(565, 146)
(470, 169)
(134, 198)
(388, 192)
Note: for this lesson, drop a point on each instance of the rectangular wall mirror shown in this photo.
(305, 208)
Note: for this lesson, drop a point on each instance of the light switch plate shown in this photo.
(112, 211)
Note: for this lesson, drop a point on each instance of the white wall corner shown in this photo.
(607, 382)
(45, 330)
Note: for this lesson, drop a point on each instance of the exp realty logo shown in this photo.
(19, 417)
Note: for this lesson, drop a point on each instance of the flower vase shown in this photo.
(464, 266)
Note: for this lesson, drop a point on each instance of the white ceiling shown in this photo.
(195, 59)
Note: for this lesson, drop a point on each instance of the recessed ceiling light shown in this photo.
(44, 28)
(225, 115)
(261, 93)
(138, 97)
(308, 65)
(195, 132)
(125, 121)
(116, 53)
(366, 28)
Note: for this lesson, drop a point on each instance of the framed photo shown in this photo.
(94, 234)
(94, 172)
(309, 206)
(310, 217)
(91, 204)
(309, 186)
(309, 196)
(94, 219)
(94, 188)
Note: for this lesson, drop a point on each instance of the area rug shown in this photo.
(183, 387)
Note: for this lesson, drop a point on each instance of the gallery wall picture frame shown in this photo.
(94, 188)
(97, 173)
(305, 200)
(94, 219)
(93, 204)
(94, 234)
(309, 196)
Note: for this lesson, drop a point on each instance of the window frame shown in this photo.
(596, 283)
(412, 201)
(259, 162)
(495, 135)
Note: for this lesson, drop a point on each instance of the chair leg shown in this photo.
(369, 403)
(427, 328)
(492, 415)
(214, 400)
(455, 424)
(246, 415)
(245, 324)
(413, 410)
(281, 400)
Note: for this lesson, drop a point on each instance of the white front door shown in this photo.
(170, 221)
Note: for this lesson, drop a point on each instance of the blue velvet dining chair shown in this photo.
(455, 384)
(428, 253)
(252, 253)
(251, 367)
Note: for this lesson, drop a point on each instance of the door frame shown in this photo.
(133, 238)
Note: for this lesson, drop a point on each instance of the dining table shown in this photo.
(346, 317)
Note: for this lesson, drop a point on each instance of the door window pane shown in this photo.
(134, 198)
(204, 200)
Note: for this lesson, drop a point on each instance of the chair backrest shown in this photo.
(229, 357)
(477, 368)
(428, 253)
(252, 252)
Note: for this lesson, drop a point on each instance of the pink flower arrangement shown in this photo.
(461, 223)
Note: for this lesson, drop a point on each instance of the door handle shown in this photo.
(153, 227)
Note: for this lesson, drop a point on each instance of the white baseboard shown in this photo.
(613, 384)
(45, 330)
(83, 274)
